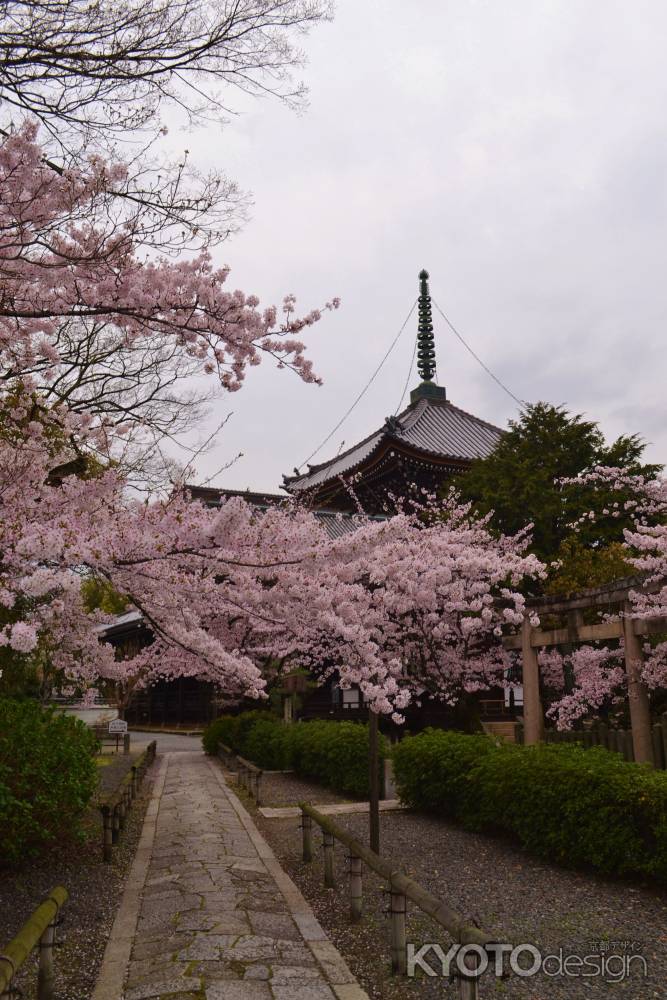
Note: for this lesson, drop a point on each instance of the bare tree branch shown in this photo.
(106, 66)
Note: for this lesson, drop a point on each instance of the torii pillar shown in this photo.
(533, 716)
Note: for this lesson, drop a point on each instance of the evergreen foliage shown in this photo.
(47, 778)
(519, 482)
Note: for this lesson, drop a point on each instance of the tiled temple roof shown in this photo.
(335, 524)
(430, 426)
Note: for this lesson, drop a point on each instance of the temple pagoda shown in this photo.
(423, 446)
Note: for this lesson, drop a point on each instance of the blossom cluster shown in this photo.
(69, 254)
(597, 676)
(412, 604)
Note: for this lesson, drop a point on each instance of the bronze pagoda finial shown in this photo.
(425, 339)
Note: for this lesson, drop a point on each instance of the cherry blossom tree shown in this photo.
(97, 77)
(369, 606)
(94, 276)
(87, 321)
(104, 68)
(121, 330)
(103, 315)
(434, 587)
(598, 678)
(226, 590)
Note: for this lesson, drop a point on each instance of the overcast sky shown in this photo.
(518, 151)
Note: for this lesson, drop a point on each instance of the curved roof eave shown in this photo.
(433, 430)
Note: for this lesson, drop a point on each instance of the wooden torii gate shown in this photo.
(613, 596)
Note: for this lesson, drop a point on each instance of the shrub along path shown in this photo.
(210, 913)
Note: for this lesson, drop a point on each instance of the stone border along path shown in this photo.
(207, 912)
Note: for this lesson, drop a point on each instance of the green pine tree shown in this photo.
(518, 481)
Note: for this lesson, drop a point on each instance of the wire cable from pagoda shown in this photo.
(520, 402)
(364, 390)
(407, 381)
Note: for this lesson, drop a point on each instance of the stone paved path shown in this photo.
(218, 919)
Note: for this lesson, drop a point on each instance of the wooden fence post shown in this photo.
(121, 812)
(469, 985)
(401, 888)
(533, 724)
(638, 700)
(356, 897)
(307, 837)
(398, 941)
(45, 979)
(108, 833)
(328, 839)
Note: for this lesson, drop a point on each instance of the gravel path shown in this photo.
(95, 890)
(503, 889)
(286, 789)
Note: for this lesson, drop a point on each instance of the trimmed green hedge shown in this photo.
(267, 744)
(47, 777)
(578, 807)
(233, 731)
(334, 753)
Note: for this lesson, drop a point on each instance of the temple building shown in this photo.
(423, 446)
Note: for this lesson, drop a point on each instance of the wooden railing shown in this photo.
(115, 807)
(39, 931)
(248, 775)
(401, 889)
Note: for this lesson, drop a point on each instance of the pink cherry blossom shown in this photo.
(68, 256)
(400, 607)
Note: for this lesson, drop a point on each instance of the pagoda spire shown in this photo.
(427, 389)
(425, 339)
